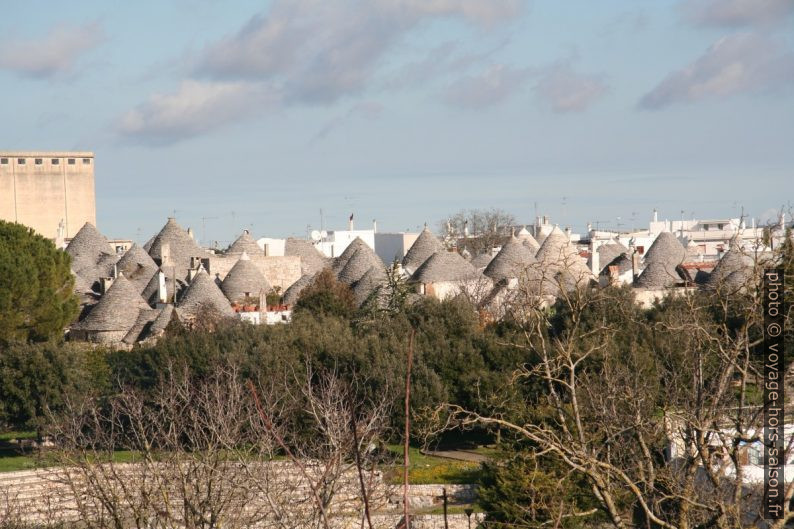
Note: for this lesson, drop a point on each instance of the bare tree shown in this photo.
(208, 453)
(660, 421)
(477, 230)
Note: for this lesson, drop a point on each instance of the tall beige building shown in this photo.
(48, 190)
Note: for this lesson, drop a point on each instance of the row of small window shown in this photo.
(39, 161)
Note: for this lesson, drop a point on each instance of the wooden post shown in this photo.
(446, 523)
(406, 514)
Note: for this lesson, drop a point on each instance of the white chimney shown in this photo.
(595, 259)
(165, 254)
(162, 294)
(655, 215)
(568, 232)
(190, 232)
(105, 283)
(374, 226)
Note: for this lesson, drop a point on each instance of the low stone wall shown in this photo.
(423, 496)
(46, 496)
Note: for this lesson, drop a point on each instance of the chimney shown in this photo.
(374, 226)
(568, 232)
(190, 232)
(162, 293)
(595, 259)
(350, 223)
(635, 265)
(655, 215)
(115, 271)
(165, 254)
(105, 283)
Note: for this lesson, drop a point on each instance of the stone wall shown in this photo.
(46, 496)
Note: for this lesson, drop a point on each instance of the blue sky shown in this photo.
(259, 114)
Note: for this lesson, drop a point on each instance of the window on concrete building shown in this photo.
(55, 161)
(71, 161)
(640, 250)
(86, 161)
(21, 161)
(38, 161)
(720, 226)
(4, 161)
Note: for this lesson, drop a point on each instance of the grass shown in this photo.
(13, 458)
(426, 470)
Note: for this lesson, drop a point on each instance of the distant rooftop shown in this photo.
(47, 154)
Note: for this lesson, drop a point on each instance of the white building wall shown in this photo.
(391, 246)
(272, 247)
(335, 243)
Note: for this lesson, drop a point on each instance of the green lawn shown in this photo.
(424, 470)
(13, 459)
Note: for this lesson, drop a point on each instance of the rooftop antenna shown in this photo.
(204, 228)
(564, 207)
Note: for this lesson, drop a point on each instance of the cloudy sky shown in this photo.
(260, 114)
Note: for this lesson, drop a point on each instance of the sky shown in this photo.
(288, 115)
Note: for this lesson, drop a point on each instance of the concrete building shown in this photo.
(394, 246)
(52, 192)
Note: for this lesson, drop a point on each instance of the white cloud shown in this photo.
(557, 86)
(737, 64)
(487, 88)
(299, 52)
(565, 90)
(195, 108)
(53, 54)
(737, 13)
(322, 50)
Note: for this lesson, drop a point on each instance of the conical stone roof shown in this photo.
(608, 252)
(86, 249)
(528, 240)
(423, 247)
(292, 294)
(344, 257)
(666, 250)
(312, 261)
(445, 266)
(117, 309)
(482, 261)
(244, 277)
(371, 282)
(245, 243)
(203, 294)
(555, 249)
(734, 260)
(359, 264)
(512, 261)
(181, 247)
(622, 261)
(137, 266)
(658, 275)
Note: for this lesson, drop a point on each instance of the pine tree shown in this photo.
(37, 299)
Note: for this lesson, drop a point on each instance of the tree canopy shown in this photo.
(36, 286)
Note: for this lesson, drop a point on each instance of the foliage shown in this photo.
(326, 296)
(521, 490)
(38, 377)
(36, 286)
